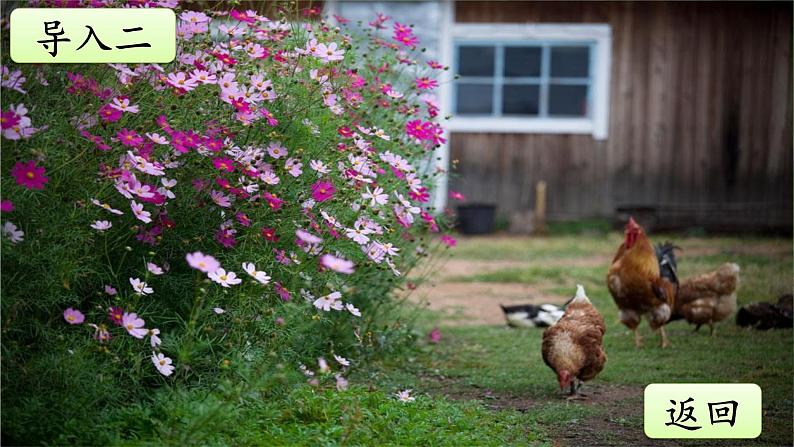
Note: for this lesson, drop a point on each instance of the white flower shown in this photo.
(225, 279)
(262, 277)
(154, 268)
(153, 337)
(142, 215)
(376, 197)
(359, 235)
(141, 287)
(405, 396)
(341, 360)
(101, 225)
(218, 310)
(14, 235)
(106, 206)
(328, 302)
(163, 364)
(353, 310)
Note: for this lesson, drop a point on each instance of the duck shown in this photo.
(532, 315)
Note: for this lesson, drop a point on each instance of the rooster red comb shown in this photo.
(632, 224)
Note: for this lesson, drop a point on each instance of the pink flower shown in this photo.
(29, 175)
(73, 316)
(341, 383)
(101, 225)
(338, 265)
(110, 290)
(154, 268)
(448, 240)
(322, 190)
(329, 53)
(434, 335)
(456, 195)
(6, 206)
(134, 325)
(202, 262)
(307, 237)
(142, 215)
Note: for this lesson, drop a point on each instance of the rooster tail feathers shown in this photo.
(668, 265)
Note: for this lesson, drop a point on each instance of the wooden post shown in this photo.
(540, 207)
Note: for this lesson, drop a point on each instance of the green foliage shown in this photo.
(56, 376)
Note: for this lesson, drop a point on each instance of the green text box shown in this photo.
(714, 421)
(158, 30)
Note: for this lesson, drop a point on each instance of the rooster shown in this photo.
(637, 285)
(708, 298)
(573, 347)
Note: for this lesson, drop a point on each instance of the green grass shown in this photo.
(487, 385)
(498, 363)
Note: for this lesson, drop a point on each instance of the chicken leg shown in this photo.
(637, 337)
(663, 334)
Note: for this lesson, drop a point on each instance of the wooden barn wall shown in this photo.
(700, 116)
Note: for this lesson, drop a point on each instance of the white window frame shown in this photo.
(596, 124)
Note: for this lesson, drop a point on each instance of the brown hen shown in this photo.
(573, 347)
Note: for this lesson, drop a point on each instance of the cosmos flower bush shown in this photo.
(261, 199)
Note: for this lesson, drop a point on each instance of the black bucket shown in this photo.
(476, 218)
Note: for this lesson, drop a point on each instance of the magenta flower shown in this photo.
(109, 114)
(73, 316)
(29, 175)
(202, 262)
(448, 240)
(456, 195)
(129, 138)
(116, 314)
(434, 336)
(282, 292)
(6, 206)
(426, 83)
(134, 325)
(223, 164)
(9, 119)
(322, 190)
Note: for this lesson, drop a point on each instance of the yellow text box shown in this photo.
(39, 35)
(702, 410)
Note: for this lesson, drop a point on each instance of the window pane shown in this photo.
(475, 61)
(570, 62)
(522, 61)
(520, 99)
(474, 99)
(567, 100)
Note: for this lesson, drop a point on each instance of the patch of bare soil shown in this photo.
(478, 302)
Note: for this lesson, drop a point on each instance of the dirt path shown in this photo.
(477, 303)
